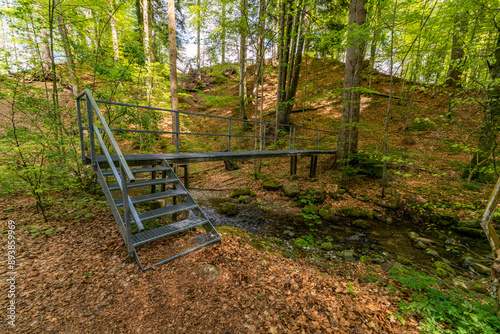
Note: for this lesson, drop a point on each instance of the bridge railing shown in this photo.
(264, 139)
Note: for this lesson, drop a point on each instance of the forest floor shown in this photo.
(73, 275)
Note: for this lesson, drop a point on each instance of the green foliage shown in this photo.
(363, 164)
(445, 311)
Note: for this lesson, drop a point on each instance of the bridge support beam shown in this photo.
(293, 165)
(313, 167)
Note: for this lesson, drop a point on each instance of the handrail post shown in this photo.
(126, 207)
(91, 132)
(319, 137)
(290, 137)
(177, 131)
(229, 138)
(264, 136)
(294, 127)
(80, 128)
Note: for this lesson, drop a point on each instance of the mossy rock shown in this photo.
(271, 185)
(354, 212)
(479, 288)
(228, 208)
(330, 215)
(312, 195)
(327, 246)
(469, 232)
(360, 223)
(338, 248)
(310, 209)
(444, 220)
(245, 199)
(403, 261)
(291, 189)
(444, 266)
(365, 259)
(469, 223)
(243, 191)
(442, 273)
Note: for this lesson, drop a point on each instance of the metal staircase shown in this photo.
(131, 210)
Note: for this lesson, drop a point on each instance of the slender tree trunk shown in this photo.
(198, 39)
(69, 56)
(173, 67)
(147, 47)
(243, 59)
(46, 59)
(260, 49)
(114, 35)
(347, 140)
(455, 69)
(223, 33)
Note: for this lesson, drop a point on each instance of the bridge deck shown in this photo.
(212, 156)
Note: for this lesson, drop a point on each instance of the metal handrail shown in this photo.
(116, 148)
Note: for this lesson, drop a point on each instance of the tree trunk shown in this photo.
(114, 35)
(347, 140)
(198, 39)
(223, 33)
(489, 129)
(173, 67)
(243, 59)
(69, 56)
(457, 50)
(147, 47)
(260, 49)
(46, 59)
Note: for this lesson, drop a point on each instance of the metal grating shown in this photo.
(114, 187)
(152, 197)
(161, 232)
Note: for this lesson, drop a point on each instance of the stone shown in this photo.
(330, 215)
(245, 199)
(327, 246)
(337, 248)
(413, 235)
(348, 256)
(360, 223)
(481, 269)
(442, 273)
(271, 185)
(466, 261)
(425, 240)
(432, 252)
(479, 288)
(211, 271)
(378, 216)
(228, 208)
(312, 195)
(291, 189)
(292, 177)
(243, 191)
(403, 261)
(444, 266)
(310, 209)
(289, 233)
(365, 259)
(389, 220)
(421, 245)
(459, 284)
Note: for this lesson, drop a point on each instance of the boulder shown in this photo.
(245, 199)
(360, 223)
(330, 215)
(211, 271)
(228, 208)
(421, 245)
(442, 273)
(354, 212)
(444, 266)
(327, 246)
(348, 256)
(242, 191)
(459, 284)
(288, 233)
(479, 288)
(312, 195)
(271, 185)
(403, 261)
(481, 269)
(466, 261)
(432, 252)
(291, 189)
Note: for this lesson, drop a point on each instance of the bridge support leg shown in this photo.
(314, 164)
(293, 165)
(153, 176)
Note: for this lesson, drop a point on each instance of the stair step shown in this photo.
(114, 187)
(152, 197)
(161, 232)
(165, 211)
(140, 170)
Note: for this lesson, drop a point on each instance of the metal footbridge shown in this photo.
(131, 182)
